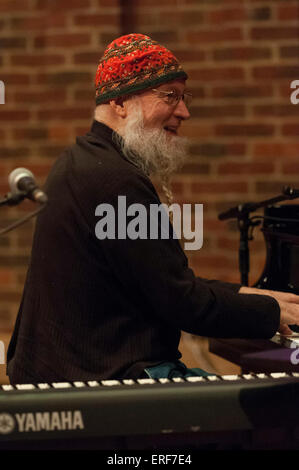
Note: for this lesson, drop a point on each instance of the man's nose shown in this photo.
(181, 110)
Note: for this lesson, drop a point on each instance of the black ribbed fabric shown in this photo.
(99, 309)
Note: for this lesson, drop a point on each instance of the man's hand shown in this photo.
(289, 306)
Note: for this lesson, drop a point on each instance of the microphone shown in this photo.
(22, 180)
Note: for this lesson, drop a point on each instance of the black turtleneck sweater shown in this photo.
(99, 309)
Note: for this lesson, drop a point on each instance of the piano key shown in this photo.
(178, 380)
(248, 376)
(79, 384)
(129, 382)
(295, 374)
(212, 378)
(110, 383)
(7, 388)
(146, 381)
(93, 383)
(196, 379)
(230, 377)
(25, 386)
(61, 385)
(43, 386)
(261, 376)
(278, 375)
(164, 381)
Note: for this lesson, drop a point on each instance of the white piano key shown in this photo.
(261, 376)
(196, 379)
(25, 386)
(110, 383)
(278, 375)
(164, 381)
(146, 381)
(43, 386)
(248, 376)
(295, 374)
(178, 380)
(61, 385)
(128, 382)
(212, 378)
(230, 377)
(7, 388)
(79, 384)
(93, 383)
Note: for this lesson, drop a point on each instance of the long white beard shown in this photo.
(155, 151)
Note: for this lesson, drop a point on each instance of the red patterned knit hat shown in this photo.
(132, 63)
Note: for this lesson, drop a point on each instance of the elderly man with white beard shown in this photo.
(114, 308)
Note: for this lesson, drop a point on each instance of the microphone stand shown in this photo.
(241, 213)
(12, 199)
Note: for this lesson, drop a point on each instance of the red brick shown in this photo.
(236, 168)
(6, 276)
(274, 33)
(277, 150)
(30, 133)
(13, 43)
(208, 35)
(59, 133)
(47, 96)
(288, 12)
(227, 15)
(290, 168)
(244, 91)
(203, 112)
(242, 53)
(65, 78)
(97, 20)
(289, 52)
(189, 55)
(110, 3)
(219, 187)
(196, 169)
(211, 74)
(62, 4)
(88, 57)
(15, 79)
(246, 130)
(276, 110)
(272, 187)
(37, 60)
(14, 5)
(15, 115)
(62, 40)
(276, 72)
(38, 22)
(291, 129)
(66, 113)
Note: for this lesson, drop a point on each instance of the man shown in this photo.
(103, 308)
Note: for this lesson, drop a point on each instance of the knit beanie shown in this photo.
(132, 63)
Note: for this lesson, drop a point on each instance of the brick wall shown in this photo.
(241, 57)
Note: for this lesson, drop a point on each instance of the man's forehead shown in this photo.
(173, 85)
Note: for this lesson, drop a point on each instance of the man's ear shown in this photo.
(118, 107)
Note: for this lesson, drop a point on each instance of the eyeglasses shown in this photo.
(172, 98)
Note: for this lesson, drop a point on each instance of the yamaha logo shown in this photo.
(7, 423)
